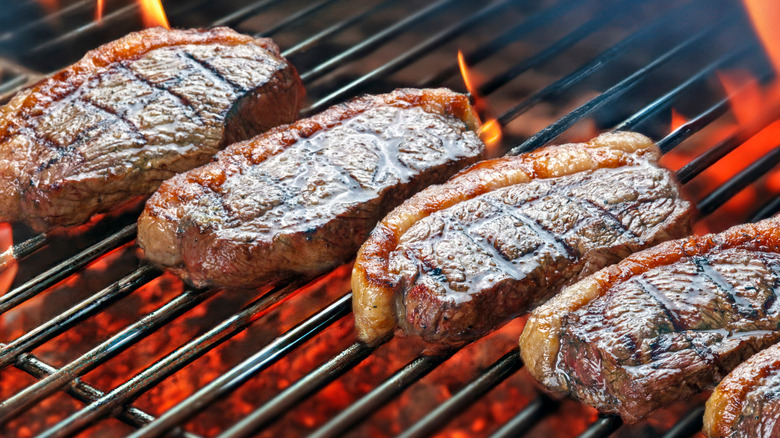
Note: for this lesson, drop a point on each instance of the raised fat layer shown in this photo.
(132, 113)
(746, 403)
(661, 325)
(376, 288)
(301, 198)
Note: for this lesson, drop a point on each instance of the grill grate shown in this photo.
(332, 86)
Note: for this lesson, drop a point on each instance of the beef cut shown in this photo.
(300, 199)
(661, 325)
(132, 113)
(746, 403)
(458, 260)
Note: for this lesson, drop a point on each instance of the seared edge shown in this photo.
(725, 407)
(540, 340)
(374, 288)
(160, 227)
(31, 103)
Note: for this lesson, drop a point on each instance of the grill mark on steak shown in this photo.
(608, 214)
(213, 72)
(703, 265)
(182, 100)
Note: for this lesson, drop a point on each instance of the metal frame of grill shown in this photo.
(117, 402)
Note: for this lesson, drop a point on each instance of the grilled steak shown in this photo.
(133, 113)
(458, 260)
(747, 402)
(661, 325)
(302, 198)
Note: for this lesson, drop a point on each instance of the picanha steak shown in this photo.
(458, 260)
(131, 114)
(746, 403)
(661, 325)
(300, 199)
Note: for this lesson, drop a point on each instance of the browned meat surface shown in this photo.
(133, 113)
(302, 198)
(458, 260)
(661, 325)
(746, 404)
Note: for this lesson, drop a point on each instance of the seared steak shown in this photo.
(458, 260)
(661, 325)
(302, 198)
(747, 402)
(133, 113)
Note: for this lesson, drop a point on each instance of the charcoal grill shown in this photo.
(641, 60)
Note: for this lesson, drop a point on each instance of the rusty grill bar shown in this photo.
(117, 402)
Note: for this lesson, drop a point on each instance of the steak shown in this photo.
(747, 402)
(661, 325)
(459, 260)
(300, 199)
(131, 114)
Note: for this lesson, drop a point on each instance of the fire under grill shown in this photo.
(96, 342)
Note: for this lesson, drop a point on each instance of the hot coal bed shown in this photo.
(95, 342)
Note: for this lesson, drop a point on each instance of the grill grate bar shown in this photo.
(531, 24)
(236, 18)
(602, 427)
(596, 64)
(523, 421)
(64, 269)
(768, 209)
(409, 56)
(301, 14)
(308, 385)
(83, 5)
(496, 373)
(22, 249)
(174, 361)
(663, 102)
(601, 19)
(105, 351)
(335, 28)
(84, 392)
(236, 376)
(557, 128)
(375, 41)
(389, 389)
(72, 316)
(750, 174)
(688, 426)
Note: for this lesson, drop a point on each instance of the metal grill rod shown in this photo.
(594, 65)
(767, 210)
(175, 361)
(114, 345)
(84, 392)
(237, 17)
(565, 122)
(389, 389)
(601, 19)
(73, 315)
(411, 55)
(299, 15)
(64, 269)
(602, 427)
(306, 386)
(239, 374)
(688, 425)
(496, 373)
(528, 25)
(374, 41)
(522, 422)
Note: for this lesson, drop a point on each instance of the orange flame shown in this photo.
(99, 11)
(153, 13)
(8, 265)
(764, 15)
(490, 131)
(678, 119)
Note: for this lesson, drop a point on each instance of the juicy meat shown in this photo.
(747, 402)
(458, 260)
(133, 113)
(663, 324)
(302, 198)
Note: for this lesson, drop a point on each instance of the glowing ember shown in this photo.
(153, 13)
(8, 266)
(764, 15)
(99, 11)
(677, 119)
(489, 132)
